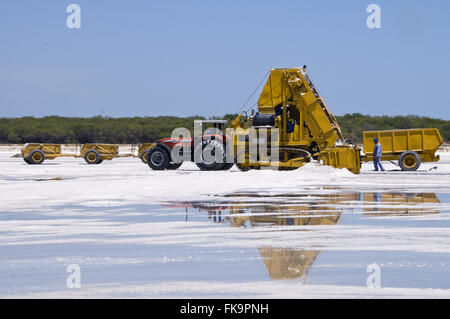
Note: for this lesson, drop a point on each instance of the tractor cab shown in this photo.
(210, 129)
(219, 124)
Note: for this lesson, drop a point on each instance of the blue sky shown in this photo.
(148, 58)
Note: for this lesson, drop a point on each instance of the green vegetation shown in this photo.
(54, 129)
(353, 125)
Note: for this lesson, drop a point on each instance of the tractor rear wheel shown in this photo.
(36, 157)
(214, 149)
(409, 161)
(227, 166)
(157, 158)
(92, 157)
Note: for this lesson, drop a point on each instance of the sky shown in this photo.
(185, 58)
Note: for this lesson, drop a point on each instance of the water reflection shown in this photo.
(319, 209)
(385, 204)
(286, 263)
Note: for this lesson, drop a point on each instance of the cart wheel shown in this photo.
(409, 161)
(92, 157)
(157, 158)
(36, 157)
(143, 156)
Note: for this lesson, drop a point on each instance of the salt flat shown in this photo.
(135, 232)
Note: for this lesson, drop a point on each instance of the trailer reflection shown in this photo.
(394, 204)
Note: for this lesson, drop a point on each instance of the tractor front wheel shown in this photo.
(173, 166)
(157, 158)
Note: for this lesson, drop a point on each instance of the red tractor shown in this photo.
(169, 153)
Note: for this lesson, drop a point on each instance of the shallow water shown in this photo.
(141, 233)
(400, 269)
(134, 257)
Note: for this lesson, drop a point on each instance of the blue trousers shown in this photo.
(376, 163)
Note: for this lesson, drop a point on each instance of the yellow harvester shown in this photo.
(291, 104)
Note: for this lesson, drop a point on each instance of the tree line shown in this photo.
(98, 129)
(353, 125)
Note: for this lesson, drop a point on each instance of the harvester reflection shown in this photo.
(302, 210)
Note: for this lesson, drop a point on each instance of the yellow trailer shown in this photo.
(97, 153)
(36, 153)
(409, 147)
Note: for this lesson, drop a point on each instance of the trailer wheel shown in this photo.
(36, 157)
(157, 158)
(92, 157)
(143, 156)
(409, 161)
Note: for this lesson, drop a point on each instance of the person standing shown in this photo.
(377, 155)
